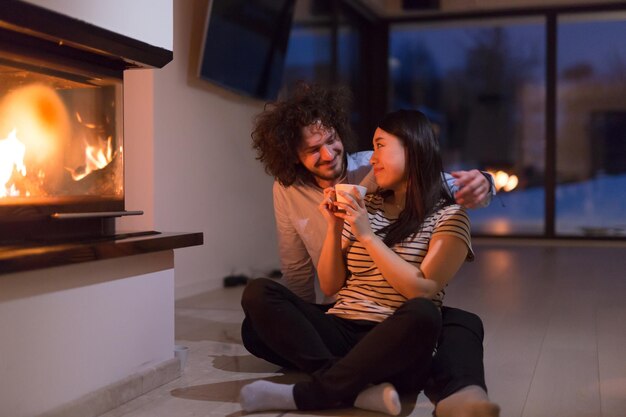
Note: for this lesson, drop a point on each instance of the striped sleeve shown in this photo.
(453, 220)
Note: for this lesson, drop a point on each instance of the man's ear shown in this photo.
(295, 158)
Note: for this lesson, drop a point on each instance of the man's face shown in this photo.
(321, 152)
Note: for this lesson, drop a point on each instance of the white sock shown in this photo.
(265, 395)
(382, 397)
(471, 401)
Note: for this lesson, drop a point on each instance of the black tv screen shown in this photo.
(245, 44)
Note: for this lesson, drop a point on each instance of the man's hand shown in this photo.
(474, 189)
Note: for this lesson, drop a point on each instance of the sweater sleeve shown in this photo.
(296, 263)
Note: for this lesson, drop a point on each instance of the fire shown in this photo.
(11, 159)
(37, 114)
(98, 152)
(95, 158)
(52, 151)
(87, 125)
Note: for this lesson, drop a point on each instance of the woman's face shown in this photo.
(389, 161)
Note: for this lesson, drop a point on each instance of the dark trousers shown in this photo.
(342, 356)
(458, 362)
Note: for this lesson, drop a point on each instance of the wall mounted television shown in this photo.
(244, 45)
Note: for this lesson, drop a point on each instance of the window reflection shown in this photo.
(325, 48)
(308, 54)
(482, 82)
(591, 125)
(483, 86)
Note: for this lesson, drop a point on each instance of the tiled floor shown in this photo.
(554, 343)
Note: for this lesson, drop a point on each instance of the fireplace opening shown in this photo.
(61, 152)
(60, 138)
(62, 159)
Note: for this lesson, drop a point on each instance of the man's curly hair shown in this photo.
(277, 130)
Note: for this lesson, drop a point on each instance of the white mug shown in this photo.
(348, 189)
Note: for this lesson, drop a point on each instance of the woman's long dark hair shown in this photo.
(425, 185)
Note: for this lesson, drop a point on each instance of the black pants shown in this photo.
(458, 362)
(342, 356)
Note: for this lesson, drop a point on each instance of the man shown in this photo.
(302, 142)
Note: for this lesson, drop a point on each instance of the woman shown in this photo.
(388, 257)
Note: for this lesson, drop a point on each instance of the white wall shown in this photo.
(138, 150)
(149, 21)
(71, 330)
(206, 178)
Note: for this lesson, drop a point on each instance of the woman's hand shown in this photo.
(329, 210)
(355, 213)
(331, 269)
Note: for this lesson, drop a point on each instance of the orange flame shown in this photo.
(11, 159)
(40, 116)
(95, 158)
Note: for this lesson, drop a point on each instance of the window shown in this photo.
(326, 47)
(591, 125)
(535, 96)
(310, 49)
(482, 84)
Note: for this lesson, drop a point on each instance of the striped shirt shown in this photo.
(366, 295)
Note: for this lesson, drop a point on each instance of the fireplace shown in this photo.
(62, 140)
(61, 124)
(69, 282)
(61, 152)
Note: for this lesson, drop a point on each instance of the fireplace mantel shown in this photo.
(37, 255)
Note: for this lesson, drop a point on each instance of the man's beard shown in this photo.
(335, 174)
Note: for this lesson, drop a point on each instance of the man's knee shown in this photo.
(456, 317)
(256, 292)
(249, 338)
